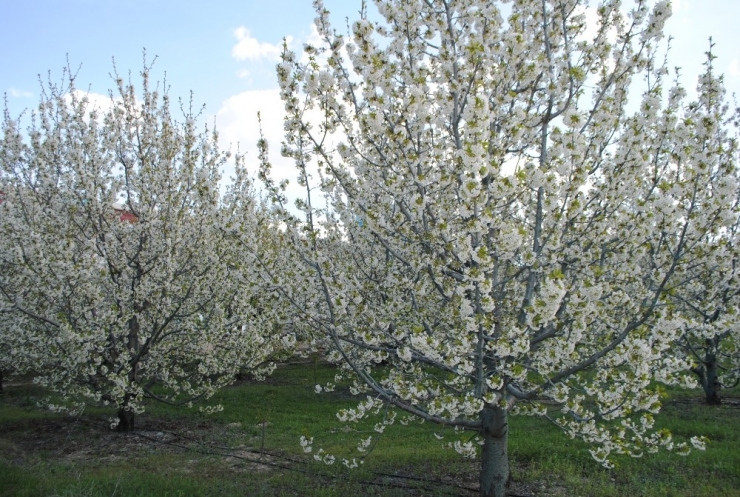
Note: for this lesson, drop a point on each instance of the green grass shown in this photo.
(184, 452)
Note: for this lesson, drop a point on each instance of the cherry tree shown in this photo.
(709, 297)
(12, 360)
(489, 230)
(6, 361)
(124, 282)
(712, 337)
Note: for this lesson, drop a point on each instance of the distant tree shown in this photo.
(11, 361)
(709, 300)
(6, 358)
(710, 297)
(712, 339)
(501, 234)
(123, 283)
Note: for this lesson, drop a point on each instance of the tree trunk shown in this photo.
(494, 474)
(707, 371)
(1, 381)
(125, 413)
(711, 382)
(125, 420)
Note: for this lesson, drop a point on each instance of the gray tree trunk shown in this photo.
(708, 375)
(494, 474)
(125, 420)
(125, 414)
(710, 382)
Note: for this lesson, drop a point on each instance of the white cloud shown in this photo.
(237, 125)
(15, 93)
(591, 16)
(249, 48)
(102, 103)
(592, 22)
(734, 69)
(315, 40)
(237, 118)
(680, 5)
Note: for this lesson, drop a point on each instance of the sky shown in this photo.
(225, 51)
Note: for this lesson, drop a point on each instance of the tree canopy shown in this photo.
(502, 232)
(122, 280)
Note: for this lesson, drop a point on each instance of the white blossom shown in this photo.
(120, 271)
(499, 228)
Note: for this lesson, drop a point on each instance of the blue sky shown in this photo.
(193, 40)
(225, 51)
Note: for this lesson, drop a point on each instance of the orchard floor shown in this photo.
(252, 448)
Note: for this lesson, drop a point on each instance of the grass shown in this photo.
(178, 452)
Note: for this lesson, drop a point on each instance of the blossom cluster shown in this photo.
(122, 278)
(502, 234)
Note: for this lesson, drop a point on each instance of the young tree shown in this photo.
(11, 360)
(712, 338)
(6, 360)
(123, 283)
(709, 297)
(500, 231)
